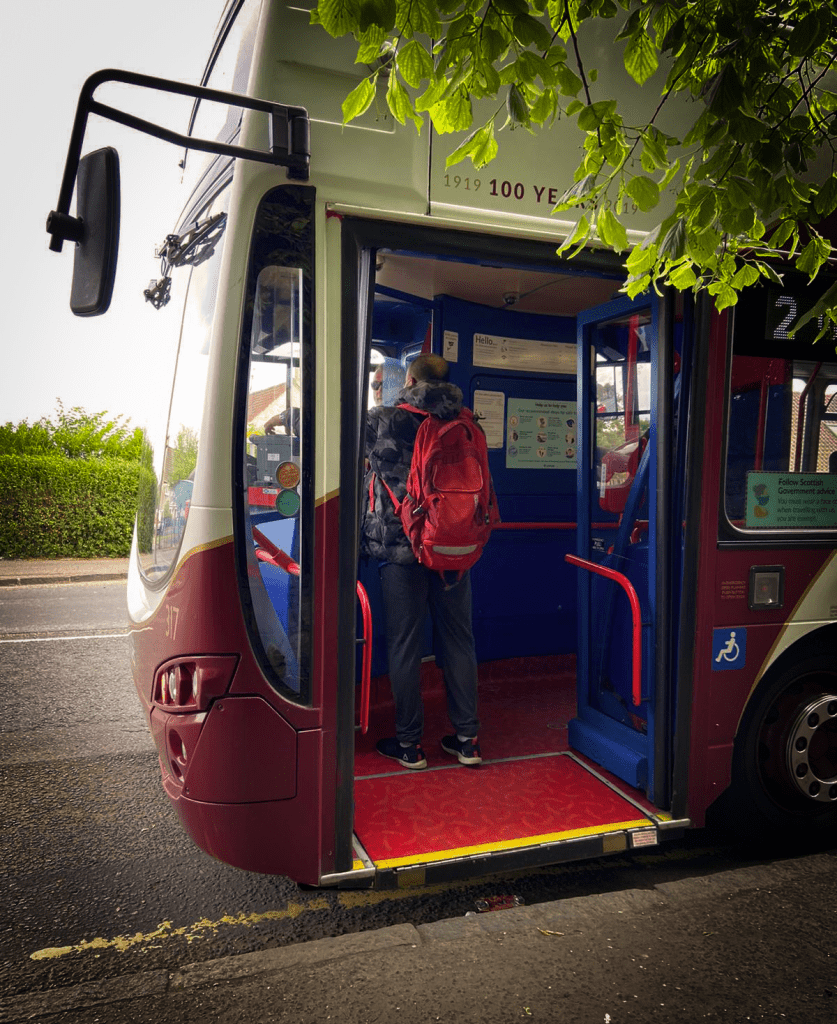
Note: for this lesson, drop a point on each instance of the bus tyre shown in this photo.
(785, 757)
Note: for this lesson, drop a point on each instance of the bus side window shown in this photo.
(277, 408)
(782, 424)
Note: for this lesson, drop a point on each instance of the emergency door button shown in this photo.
(767, 586)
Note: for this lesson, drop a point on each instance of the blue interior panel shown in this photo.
(524, 592)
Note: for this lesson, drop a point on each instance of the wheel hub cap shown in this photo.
(812, 750)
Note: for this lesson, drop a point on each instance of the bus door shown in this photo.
(623, 541)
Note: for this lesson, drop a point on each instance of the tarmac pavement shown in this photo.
(753, 944)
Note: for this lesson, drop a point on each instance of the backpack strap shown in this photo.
(387, 488)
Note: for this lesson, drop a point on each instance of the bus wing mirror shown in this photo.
(95, 230)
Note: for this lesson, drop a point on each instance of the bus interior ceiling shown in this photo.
(524, 593)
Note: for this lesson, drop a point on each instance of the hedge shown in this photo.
(55, 507)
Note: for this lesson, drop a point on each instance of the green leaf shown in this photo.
(494, 43)
(703, 244)
(769, 156)
(641, 58)
(513, 7)
(611, 231)
(683, 277)
(516, 106)
(480, 146)
(826, 302)
(645, 192)
(745, 276)
(358, 100)
(706, 210)
(370, 44)
(580, 235)
(488, 74)
(433, 94)
(674, 36)
(414, 63)
(826, 199)
(577, 193)
(673, 244)
(724, 294)
(568, 81)
(377, 12)
(537, 67)
(423, 19)
(812, 257)
(767, 271)
(654, 151)
(633, 25)
(746, 129)
(399, 102)
(641, 259)
(725, 93)
(339, 16)
(808, 34)
(545, 107)
(637, 285)
(782, 233)
(593, 115)
(452, 114)
(529, 32)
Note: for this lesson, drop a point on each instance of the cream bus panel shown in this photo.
(531, 170)
(373, 156)
(818, 606)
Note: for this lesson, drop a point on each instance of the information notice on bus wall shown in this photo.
(540, 434)
(488, 411)
(524, 354)
(792, 501)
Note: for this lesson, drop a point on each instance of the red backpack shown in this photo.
(450, 507)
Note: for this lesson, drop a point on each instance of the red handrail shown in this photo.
(268, 552)
(366, 670)
(636, 616)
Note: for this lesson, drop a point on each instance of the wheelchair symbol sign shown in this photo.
(729, 649)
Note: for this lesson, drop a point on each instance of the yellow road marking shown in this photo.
(122, 943)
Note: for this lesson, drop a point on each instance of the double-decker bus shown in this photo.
(656, 616)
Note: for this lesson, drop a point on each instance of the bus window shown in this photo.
(782, 434)
(273, 481)
(623, 396)
(169, 468)
(386, 379)
(228, 70)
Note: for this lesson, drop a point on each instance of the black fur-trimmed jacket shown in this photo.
(390, 438)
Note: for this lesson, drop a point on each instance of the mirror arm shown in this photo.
(288, 126)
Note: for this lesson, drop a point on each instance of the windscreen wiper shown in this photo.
(190, 249)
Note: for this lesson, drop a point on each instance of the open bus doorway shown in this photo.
(554, 783)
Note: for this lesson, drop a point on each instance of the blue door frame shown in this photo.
(609, 727)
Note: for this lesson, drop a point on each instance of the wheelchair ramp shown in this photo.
(445, 813)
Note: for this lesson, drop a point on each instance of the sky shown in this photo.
(48, 49)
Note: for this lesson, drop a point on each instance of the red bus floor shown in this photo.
(528, 791)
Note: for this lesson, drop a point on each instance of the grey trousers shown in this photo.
(408, 592)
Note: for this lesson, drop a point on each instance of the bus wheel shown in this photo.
(785, 760)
